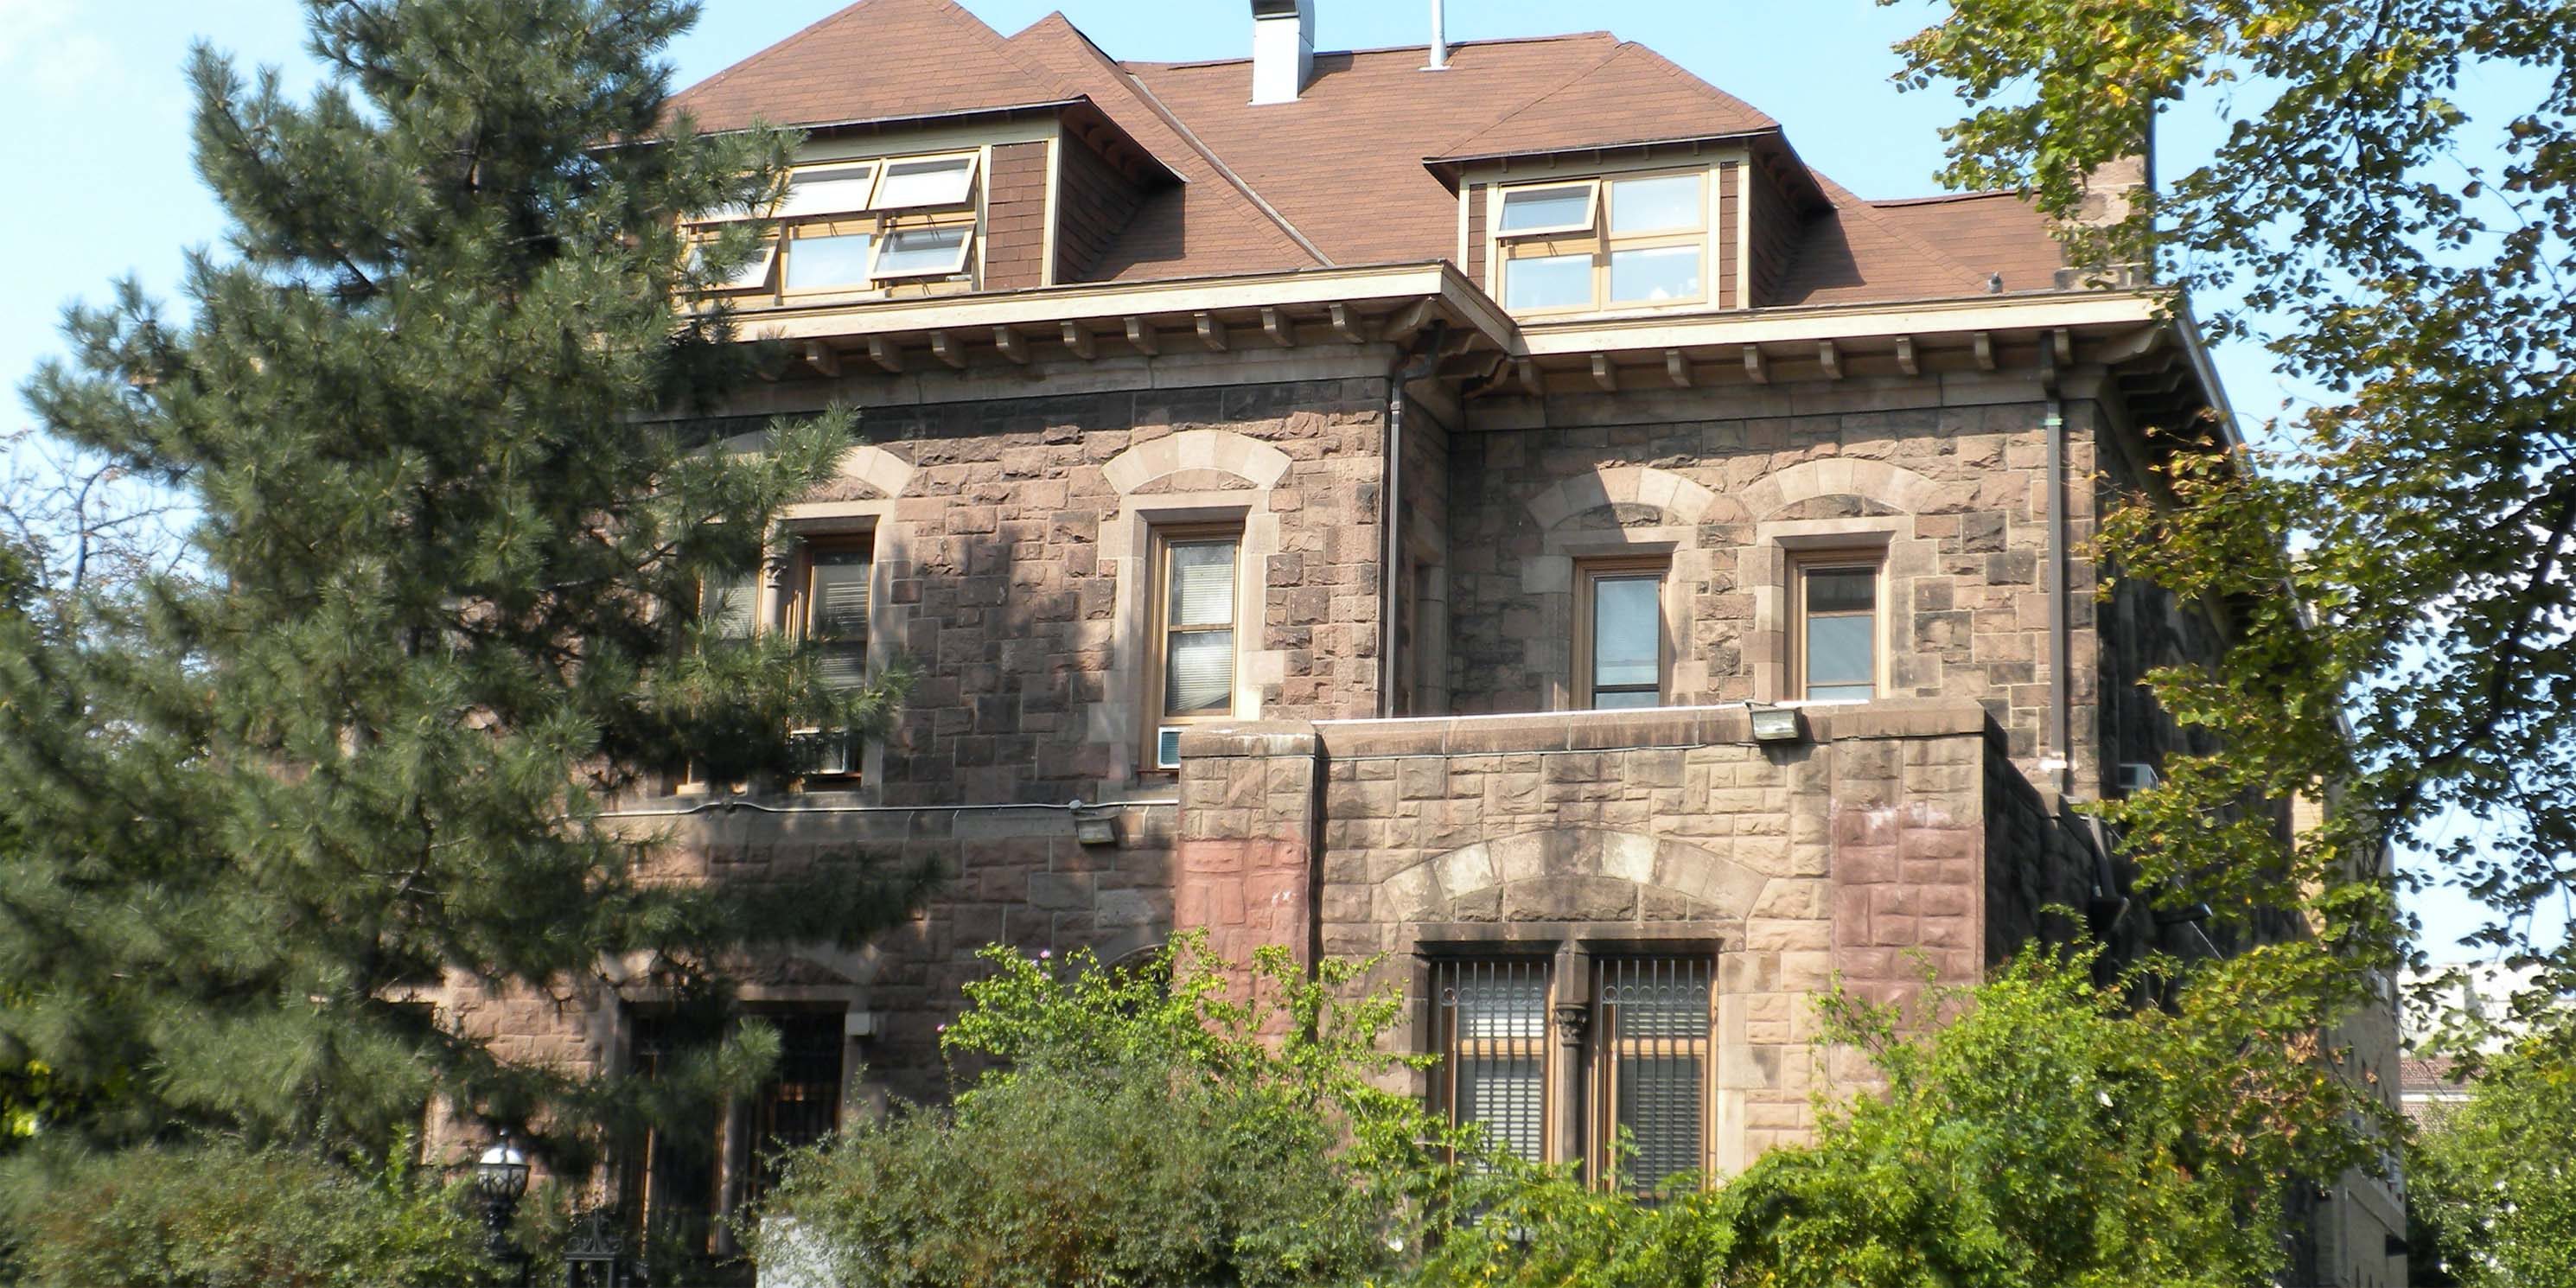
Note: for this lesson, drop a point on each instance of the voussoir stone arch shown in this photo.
(1687, 502)
(1891, 485)
(888, 473)
(1573, 874)
(1197, 449)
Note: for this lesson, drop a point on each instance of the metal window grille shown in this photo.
(801, 1103)
(1651, 1036)
(1492, 1020)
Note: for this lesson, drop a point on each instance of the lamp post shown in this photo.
(501, 1178)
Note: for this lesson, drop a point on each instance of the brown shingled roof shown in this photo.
(876, 60)
(1633, 95)
(1343, 164)
(1340, 175)
(1209, 223)
(1881, 251)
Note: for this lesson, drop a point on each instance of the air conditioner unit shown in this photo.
(822, 753)
(1167, 747)
(2137, 776)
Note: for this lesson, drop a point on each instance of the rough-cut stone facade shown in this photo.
(1889, 843)
(1010, 532)
(1946, 475)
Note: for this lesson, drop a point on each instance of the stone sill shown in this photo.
(1572, 731)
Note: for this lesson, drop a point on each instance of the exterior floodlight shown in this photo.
(1777, 724)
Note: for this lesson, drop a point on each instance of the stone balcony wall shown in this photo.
(1868, 851)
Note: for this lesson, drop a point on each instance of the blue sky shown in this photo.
(100, 152)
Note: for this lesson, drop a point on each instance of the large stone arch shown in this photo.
(1895, 486)
(1222, 450)
(1579, 874)
(1682, 500)
(888, 473)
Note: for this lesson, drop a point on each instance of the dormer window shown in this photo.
(880, 226)
(1612, 243)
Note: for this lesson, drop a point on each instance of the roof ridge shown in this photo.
(1146, 100)
(1941, 198)
(774, 46)
(1678, 72)
(1845, 200)
(1455, 45)
(1224, 171)
(1534, 100)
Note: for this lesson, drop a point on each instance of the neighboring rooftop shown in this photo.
(1352, 173)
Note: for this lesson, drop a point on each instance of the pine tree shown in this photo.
(431, 406)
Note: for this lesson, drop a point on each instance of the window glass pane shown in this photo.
(753, 273)
(1618, 700)
(844, 663)
(1525, 208)
(1627, 632)
(1839, 655)
(923, 251)
(1493, 1021)
(1201, 673)
(820, 263)
(1668, 204)
(1655, 1024)
(1842, 590)
(1508, 1095)
(827, 190)
(1547, 282)
(927, 183)
(1202, 575)
(838, 603)
(1654, 275)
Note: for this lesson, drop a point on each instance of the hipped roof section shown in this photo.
(1358, 170)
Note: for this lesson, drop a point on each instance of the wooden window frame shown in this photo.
(798, 618)
(1602, 1054)
(1590, 223)
(1595, 239)
(1588, 573)
(1447, 1045)
(873, 217)
(1591, 1101)
(1874, 561)
(1156, 703)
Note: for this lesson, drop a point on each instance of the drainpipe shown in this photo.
(1417, 361)
(2060, 757)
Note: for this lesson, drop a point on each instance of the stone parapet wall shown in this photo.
(1861, 852)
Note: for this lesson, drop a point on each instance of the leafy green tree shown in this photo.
(2488, 1176)
(1180, 1122)
(430, 410)
(2413, 263)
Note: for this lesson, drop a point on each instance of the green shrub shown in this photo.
(1140, 1133)
(225, 1216)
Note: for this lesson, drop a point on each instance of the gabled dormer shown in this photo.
(995, 201)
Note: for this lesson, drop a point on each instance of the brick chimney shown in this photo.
(1283, 49)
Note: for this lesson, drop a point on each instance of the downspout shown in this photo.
(2059, 757)
(1417, 361)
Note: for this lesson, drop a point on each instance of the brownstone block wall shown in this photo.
(1863, 852)
(1946, 475)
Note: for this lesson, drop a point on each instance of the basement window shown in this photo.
(1544, 1062)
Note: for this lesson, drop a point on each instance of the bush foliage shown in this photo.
(2048, 1133)
(227, 1216)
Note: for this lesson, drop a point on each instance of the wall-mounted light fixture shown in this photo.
(1776, 724)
